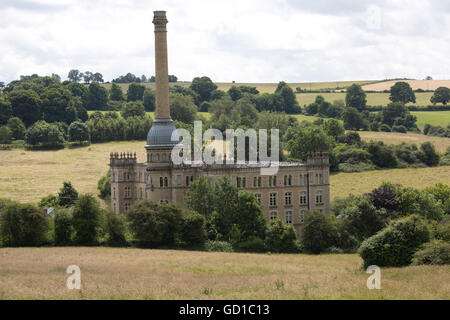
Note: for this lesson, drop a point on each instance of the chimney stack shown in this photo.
(162, 109)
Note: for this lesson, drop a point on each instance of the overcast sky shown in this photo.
(244, 40)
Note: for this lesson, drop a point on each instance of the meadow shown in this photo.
(435, 118)
(129, 273)
(27, 176)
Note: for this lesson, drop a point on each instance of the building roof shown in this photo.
(160, 134)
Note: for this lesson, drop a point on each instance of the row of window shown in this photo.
(156, 157)
(288, 218)
(303, 199)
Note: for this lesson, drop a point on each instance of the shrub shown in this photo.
(252, 244)
(319, 232)
(218, 246)
(104, 186)
(5, 135)
(385, 128)
(400, 128)
(86, 220)
(433, 252)
(395, 245)
(48, 201)
(67, 194)
(23, 225)
(115, 230)
(193, 230)
(63, 227)
(281, 237)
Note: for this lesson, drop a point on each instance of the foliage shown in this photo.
(252, 244)
(5, 110)
(203, 86)
(432, 253)
(17, 128)
(182, 108)
(23, 225)
(441, 192)
(67, 194)
(218, 246)
(307, 140)
(384, 197)
(115, 228)
(63, 226)
(26, 105)
(355, 97)
(44, 134)
(249, 216)
(402, 92)
(116, 93)
(428, 155)
(104, 186)
(319, 232)
(280, 237)
(149, 99)
(79, 131)
(353, 119)
(86, 220)
(5, 135)
(133, 109)
(96, 97)
(49, 201)
(135, 92)
(395, 245)
(441, 95)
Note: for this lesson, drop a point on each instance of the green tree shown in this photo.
(441, 95)
(235, 93)
(17, 128)
(63, 226)
(56, 105)
(67, 194)
(203, 86)
(135, 92)
(280, 237)
(116, 93)
(353, 119)
(5, 111)
(115, 229)
(5, 135)
(182, 108)
(200, 197)
(44, 134)
(355, 97)
(226, 205)
(23, 225)
(26, 105)
(104, 186)
(307, 140)
(428, 154)
(333, 128)
(319, 232)
(96, 97)
(249, 216)
(288, 97)
(79, 131)
(74, 75)
(149, 100)
(86, 219)
(402, 92)
(133, 109)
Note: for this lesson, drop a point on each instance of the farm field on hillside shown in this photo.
(415, 84)
(441, 144)
(435, 118)
(27, 176)
(128, 273)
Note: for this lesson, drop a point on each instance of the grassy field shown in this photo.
(435, 118)
(27, 176)
(441, 144)
(113, 273)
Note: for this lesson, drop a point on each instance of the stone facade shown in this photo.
(295, 189)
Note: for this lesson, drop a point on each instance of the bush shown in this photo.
(67, 194)
(433, 253)
(401, 129)
(23, 225)
(86, 220)
(218, 246)
(395, 245)
(281, 237)
(193, 230)
(104, 186)
(63, 227)
(319, 232)
(48, 201)
(385, 128)
(252, 244)
(115, 230)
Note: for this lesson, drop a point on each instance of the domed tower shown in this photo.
(159, 139)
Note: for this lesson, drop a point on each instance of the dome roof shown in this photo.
(160, 134)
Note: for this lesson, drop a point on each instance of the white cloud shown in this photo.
(245, 41)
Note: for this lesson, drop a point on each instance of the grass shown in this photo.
(435, 118)
(27, 176)
(128, 273)
(343, 184)
(441, 144)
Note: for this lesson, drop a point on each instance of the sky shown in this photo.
(232, 40)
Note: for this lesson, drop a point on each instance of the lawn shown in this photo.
(441, 144)
(128, 273)
(27, 176)
(435, 118)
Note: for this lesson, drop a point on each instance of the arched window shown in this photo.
(166, 182)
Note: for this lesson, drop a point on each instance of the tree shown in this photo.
(87, 77)
(104, 186)
(26, 105)
(280, 237)
(115, 229)
(355, 97)
(116, 93)
(203, 86)
(200, 197)
(44, 134)
(149, 100)
(235, 93)
(428, 155)
(289, 100)
(319, 232)
(5, 111)
(172, 78)
(307, 140)
(441, 95)
(226, 206)
(67, 194)
(249, 217)
(23, 225)
(133, 109)
(333, 128)
(74, 75)
(63, 226)
(353, 119)
(5, 135)
(97, 77)
(392, 112)
(86, 220)
(402, 92)
(55, 105)
(97, 97)
(135, 92)
(182, 108)
(78, 131)
(17, 128)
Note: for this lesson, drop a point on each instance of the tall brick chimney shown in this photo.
(162, 109)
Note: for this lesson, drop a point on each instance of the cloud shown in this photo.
(245, 41)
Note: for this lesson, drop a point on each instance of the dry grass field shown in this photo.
(441, 144)
(415, 84)
(126, 273)
(27, 176)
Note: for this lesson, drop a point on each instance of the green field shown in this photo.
(129, 273)
(27, 176)
(435, 118)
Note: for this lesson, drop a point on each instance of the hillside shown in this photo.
(415, 84)
(129, 273)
